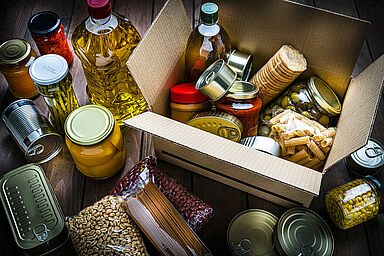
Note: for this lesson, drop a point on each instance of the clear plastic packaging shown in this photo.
(194, 211)
(303, 141)
(105, 228)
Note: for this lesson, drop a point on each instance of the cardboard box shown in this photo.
(330, 42)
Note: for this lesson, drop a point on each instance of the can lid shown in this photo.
(262, 143)
(324, 95)
(43, 23)
(187, 93)
(14, 52)
(242, 90)
(31, 207)
(209, 13)
(241, 63)
(370, 156)
(48, 69)
(99, 9)
(301, 230)
(89, 125)
(251, 233)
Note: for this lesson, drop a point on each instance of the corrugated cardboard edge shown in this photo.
(156, 70)
(358, 112)
(232, 153)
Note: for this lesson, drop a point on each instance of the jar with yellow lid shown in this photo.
(95, 141)
(355, 202)
(16, 56)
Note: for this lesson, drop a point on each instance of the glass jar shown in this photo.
(95, 142)
(48, 33)
(54, 82)
(314, 99)
(355, 202)
(243, 102)
(16, 56)
(187, 101)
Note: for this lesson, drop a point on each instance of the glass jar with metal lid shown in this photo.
(314, 99)
(243, 102)
(48, 33)
(95, 141)
(355, 202)
(16, 56)
(53, 81)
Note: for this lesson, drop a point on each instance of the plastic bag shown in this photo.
(105, 228)
(303, 141)
(159, 220)
(193, 210)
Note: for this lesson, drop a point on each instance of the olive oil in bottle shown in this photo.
(103, 42)
(207, 43)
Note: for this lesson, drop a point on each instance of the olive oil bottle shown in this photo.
(103, 42)
(207, 43)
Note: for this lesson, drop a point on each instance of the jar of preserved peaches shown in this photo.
(16, 56)
(95, 142)
(243, 102)
(355, 202)
(48, 33)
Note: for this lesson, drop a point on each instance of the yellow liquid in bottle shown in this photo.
(104, 47)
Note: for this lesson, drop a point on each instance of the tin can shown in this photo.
(32, 132)
(33, 213)
(367, 160)
(216, 80)
(250, 233)
(241, 63)
(264, 144)
(301, 231)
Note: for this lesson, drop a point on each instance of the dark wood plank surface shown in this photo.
(75, 191)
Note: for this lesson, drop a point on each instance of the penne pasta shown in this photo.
(326, 142)
(315, 161)
(319, 137)
(297, 141)
(325, 149)
(297, 156)
(304, 160)
(330, 132)
(289, 135)
(290, 150)
(316, 150)
(300, 133)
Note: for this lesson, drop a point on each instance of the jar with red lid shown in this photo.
(243, 102)
(48, 33)
(187, 101)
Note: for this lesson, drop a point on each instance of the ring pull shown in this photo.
(374, 152)
(40, 231)
(245, 246)
(306, 250)
(36, 150)
(228, 132)
(209, 78)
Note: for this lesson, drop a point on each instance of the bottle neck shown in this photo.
(378, 192)
(101, 26)
(209, 29)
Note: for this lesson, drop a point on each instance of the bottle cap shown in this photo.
(43, 23)
(48, 69)
(99, 9)
(14, 52)
(186, 93)
(209, 13)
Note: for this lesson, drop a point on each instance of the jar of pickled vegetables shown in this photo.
(355, 202)
(94, 140)
(243, 102)
(313, 99)
(16, 56)
(54, 82)
(48, 33)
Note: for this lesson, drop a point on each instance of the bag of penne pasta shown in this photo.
(303, 141)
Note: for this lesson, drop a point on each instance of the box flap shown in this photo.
(330, 42)
(228, 151)
(158, 61)
(358, 112)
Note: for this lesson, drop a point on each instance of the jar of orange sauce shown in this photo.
(16, 56)
(95, 141)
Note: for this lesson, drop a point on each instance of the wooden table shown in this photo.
(75, 191)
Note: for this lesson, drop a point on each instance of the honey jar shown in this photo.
(355, 202)
(95, 141)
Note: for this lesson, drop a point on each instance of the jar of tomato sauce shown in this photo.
(16, 56)
(95, 141)
(243, 102)
(48, 33)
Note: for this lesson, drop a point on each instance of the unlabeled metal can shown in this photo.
(241, 63)
(301, 231)
(265, 144)
(34, 215)
(367, 160)
(32, 131)
(216, 80)
(250, 233)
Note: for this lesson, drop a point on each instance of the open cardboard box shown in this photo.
(331, 44)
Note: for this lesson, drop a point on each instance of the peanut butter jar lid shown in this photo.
(89, 125)
(14, 52)
(216, 80)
